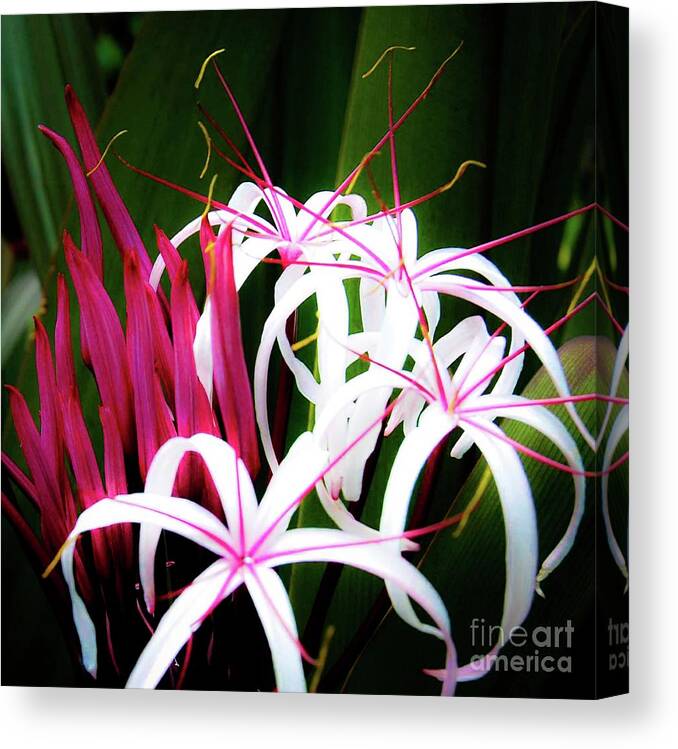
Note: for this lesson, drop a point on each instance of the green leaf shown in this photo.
(40, 54)
(21, 300)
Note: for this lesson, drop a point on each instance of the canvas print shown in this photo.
(315, 350)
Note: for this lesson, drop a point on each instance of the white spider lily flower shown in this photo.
(290, 232)
(255, 540)
(392, 296)
(429, 418)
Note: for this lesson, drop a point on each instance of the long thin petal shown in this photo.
(318, 545)
(120, 222)
(277, 618)
(400, 321)
(90, 233)
(619, 428)
(617, 371)
(56, 515)
(541, 419)
(192, 406)
(182, 619)
(293, 298)
(153, 419)
(105, 341)
(303, 459)
(173, 514)
(231, 378)
(520, 524)
(236, 494)
(51, 417)
(527, 327)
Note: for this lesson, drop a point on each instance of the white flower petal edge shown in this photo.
(617, 371)
(540, 418)
(619, 428)
(275, 611)
(255, 542)
(312, 544)
(177, 515)
(528, 328)
(180, 622)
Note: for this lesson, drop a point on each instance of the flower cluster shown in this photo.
(182, 422)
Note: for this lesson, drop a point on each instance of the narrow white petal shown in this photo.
(411, 457)
(397, 332)
(528, 328)
(520, 524)
(318, 545)
(304, 461)
(431, 304)
(277, 618)
(619, 429)
(617, 371)
(84, 625)
(372, 304)
(293, 298)
(541, 419)
(170, 513)
(182, 619)
(202, 349)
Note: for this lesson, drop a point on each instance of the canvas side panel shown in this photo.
(612, 497)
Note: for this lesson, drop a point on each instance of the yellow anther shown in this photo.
(460, 173)
(50, 567)
(203, 67)
(103, 155)
(210, 192)
(209, 251)
(444, 63)
(305, 341)
(387, 51)
(475, 500)
(208, 140)
(322, 658)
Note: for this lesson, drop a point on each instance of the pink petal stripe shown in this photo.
(105, 341)
(545, 402)
(56, 519)
(500, 435)
(173, 261)
(20, 479)
(51, 419)
(65, 366)
(114, 458)
(90, 233)
(231, 378)
(120, 222)
(152, 416)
